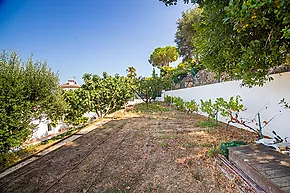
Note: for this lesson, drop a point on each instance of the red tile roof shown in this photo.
(69, 86)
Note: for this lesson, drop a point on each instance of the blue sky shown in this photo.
(88, 36)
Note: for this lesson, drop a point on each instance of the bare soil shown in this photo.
(157, 152)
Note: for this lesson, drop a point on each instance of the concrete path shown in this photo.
(52, 148)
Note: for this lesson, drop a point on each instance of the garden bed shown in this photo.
(156, 149)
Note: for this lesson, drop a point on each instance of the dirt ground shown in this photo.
(157, 152)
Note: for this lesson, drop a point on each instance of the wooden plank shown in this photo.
(267, 167)
(286, 189)
(276, 173)
(282, 182)
(266, 184)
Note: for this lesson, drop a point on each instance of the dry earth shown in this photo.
(159, 152)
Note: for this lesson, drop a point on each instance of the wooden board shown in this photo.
(267, 167)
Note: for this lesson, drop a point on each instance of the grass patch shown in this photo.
(161, 131)
(213, 152)
(190, 144)
(154, 107)
(209, 123)
(210, 130)
(206, 145)
(164, 144)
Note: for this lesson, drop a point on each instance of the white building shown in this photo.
(70, 85)
(44, 128)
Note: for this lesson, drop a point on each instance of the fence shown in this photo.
(264, 99)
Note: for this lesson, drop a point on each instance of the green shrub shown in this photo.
(208, 123)
(6, 159)
(209, 108)
(191, 106)
(179, 103)
(168, 99)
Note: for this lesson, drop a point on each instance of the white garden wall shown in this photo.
(254, 100)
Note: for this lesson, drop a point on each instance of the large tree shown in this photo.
(150, 87)
(78, 104)
(262, 31)
(243, 38)
(184, 36)
(163, 56)
(28, 91)
(108, 93)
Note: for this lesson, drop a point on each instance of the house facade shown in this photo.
(70, 85)
(44, 128)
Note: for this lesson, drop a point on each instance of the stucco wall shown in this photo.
(254, 100)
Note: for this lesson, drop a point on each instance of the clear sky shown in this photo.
(88, 36)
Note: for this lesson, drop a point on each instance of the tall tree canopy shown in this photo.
(78, 104)
(108, 93)
(163, 56)
(184, 36)
(243, 38)
(149, 88)
(28, 91)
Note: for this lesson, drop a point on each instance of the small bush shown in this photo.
(168, 99)
(7, 159)
(191, 106)
(179, 103)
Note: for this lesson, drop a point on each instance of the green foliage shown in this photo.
(131, 72)
(209, 108)
(174, 2)
(28, 91)
(191, 106)
(7, 159)
(242, 38)
(229, 109)
(178, 73)
(213, 152)
(168, 99)
(78, 104)
(155, 107)
(179, 103)
(163, 56)
(185, 33)
(262, 29)
(151, 87)
(108, 93)
(208, 123)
